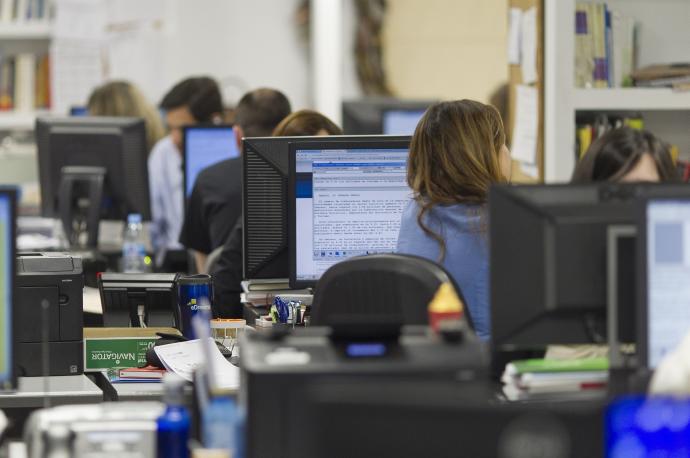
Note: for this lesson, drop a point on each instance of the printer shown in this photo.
(279, 373)
(54, 279)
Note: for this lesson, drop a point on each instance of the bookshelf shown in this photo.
(26, 31)
(16, 37)
(662, 37)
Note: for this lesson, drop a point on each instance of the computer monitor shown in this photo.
(401, 122)
(548, 259)
(346, 199)
(664, 286)
(264, 200)
(127, 298)
(381, 115)
(92, 168)
(78, 111)
(205, 146)
(8, 254)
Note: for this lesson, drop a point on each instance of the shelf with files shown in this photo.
(637, 99)
(36, 30)
(19, 120)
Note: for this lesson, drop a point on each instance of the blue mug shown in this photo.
(195, 293)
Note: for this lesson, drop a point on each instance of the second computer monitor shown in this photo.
(205, 146)
(663, 283)
(8, 212)
(346, 199)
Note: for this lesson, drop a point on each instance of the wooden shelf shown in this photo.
(26, 31)
(14, 120)
(636, 99)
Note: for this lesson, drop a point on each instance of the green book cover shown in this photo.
(549, 365)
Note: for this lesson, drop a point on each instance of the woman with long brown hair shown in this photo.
(457, 152)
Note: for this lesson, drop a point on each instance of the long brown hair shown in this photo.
(454, 157)
(121, 98)
(618, 151)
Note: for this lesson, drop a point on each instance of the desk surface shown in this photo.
(69, 389)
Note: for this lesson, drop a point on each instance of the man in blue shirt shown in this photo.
(191, 101)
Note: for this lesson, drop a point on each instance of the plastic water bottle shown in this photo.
(133, 247)
(219, 425)
(173, 425)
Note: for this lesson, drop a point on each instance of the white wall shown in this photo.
(254, 41)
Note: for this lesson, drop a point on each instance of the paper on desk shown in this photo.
(184, 358)
(528, 46)
(514, 36)
(524, 147)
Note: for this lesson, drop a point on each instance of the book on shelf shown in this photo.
(587, 132)
(25, 82)
(22, 11)
(605, 43)
(676, 76)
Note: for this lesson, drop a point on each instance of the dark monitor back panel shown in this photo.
(116, 144)
(366, 116)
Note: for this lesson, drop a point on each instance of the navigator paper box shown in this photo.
(111, 348)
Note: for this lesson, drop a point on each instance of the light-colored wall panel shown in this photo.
(446, 48)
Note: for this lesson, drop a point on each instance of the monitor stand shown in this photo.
(74, 179)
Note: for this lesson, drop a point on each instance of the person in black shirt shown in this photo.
(227, 270)
(216, 200)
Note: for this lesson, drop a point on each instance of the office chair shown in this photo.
(381, 288)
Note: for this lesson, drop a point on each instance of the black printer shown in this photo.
(55, 279)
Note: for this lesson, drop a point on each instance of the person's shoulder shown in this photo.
(221, 169)
(162, 148)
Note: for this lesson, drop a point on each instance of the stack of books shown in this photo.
(604, 46)
(24, 82)
(541, 378)
(139, 374)
(675, 76)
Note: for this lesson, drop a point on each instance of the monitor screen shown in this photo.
(6, 287)
(348, 202)
(401, 122)
(205, 146)
(668, 271)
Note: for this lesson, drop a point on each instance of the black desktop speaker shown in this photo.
(265, 208)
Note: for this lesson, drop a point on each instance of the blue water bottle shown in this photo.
(195, 293)
(173, 425)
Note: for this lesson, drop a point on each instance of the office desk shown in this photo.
(69, 389)
(30, 394)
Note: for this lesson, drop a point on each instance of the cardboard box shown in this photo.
(114, 348)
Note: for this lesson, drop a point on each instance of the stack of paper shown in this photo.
(534, 378)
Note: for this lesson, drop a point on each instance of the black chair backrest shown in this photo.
(378, 289)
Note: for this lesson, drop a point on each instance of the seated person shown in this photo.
(192, 101)
(122, 98)
(626, 155)
(216, 199)
(227, 271)
(457, 152)
(622, 155)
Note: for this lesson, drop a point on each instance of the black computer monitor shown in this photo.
(548, 260)
(205, 146)
(92, 168)
(664, 278)
(264, 200)
(346, 199)
(379, 115)
(8, 254)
